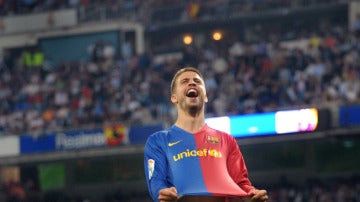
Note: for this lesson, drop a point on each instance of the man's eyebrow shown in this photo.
(184, 79)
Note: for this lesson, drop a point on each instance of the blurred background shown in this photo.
(83, 83)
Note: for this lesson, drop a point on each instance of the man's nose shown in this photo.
(192, 83)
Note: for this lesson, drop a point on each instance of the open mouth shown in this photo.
(192, 93)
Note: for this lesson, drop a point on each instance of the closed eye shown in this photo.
(184, 81)
(197, 80)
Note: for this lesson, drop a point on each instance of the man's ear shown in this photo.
(206, 99)
(174, 99)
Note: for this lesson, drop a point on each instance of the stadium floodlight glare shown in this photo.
(187, 39)
(217, 35)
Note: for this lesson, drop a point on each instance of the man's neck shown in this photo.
(190, 123)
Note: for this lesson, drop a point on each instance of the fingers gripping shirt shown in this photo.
(203, 163)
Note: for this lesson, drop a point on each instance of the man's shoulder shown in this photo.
(159, 134)
(217, 131)
(162, 133)
(220, 134)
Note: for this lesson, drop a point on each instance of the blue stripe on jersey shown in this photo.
(184, 162)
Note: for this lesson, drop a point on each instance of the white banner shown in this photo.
(9, 146)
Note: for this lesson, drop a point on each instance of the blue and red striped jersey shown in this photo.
(206, 163)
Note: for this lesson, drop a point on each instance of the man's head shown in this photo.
(188, 90)
(179, 72)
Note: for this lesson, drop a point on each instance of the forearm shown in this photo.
(154, 188)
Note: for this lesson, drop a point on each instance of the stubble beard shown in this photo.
(192, 109)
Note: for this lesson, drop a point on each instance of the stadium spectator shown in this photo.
(260, 78)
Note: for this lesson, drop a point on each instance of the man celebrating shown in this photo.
(191, 161)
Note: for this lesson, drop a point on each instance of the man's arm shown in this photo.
(237, 167)
(238, 171)
(155, 167)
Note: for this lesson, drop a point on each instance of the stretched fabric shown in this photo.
(206, 163)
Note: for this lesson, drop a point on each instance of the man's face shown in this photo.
(190, 92)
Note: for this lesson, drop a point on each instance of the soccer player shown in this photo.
(191, 161)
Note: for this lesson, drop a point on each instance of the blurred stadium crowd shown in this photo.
(316, 68)
(31, 6)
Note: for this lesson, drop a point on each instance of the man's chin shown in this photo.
(194, 108)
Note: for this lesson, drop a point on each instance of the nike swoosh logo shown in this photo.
(173, 143)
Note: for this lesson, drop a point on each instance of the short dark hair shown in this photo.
(179, 72)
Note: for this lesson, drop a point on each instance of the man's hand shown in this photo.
(258, 195)
(168, 195)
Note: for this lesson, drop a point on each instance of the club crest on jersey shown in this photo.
(151, 167)
(212, 139)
